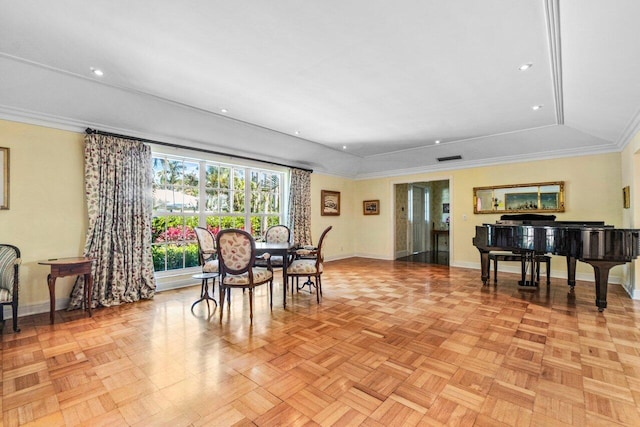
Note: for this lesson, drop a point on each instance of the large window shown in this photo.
(190, 192)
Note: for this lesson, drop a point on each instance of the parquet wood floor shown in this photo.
(391, 344)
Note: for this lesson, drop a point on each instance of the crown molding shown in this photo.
(577, 152)
(475, 138)
(552, 12)
(629, 131)
(19, 115)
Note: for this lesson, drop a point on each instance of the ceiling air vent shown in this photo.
(446, 159)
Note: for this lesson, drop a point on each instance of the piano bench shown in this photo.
(510, 256)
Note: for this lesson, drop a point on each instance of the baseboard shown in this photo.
(401, 254)
(336, 258)
(37, 308)
(373, 256)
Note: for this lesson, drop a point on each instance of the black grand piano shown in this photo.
(602, 246)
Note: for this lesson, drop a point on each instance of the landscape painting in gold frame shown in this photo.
(540, 197)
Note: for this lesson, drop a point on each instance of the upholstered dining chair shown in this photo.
(237, 255)
(9, 281)
(276, 234)
(207, 248)
(309, 263)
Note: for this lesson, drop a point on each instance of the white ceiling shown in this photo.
(385, 79)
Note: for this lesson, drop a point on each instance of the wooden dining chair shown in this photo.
(237, 255)
(309, 263)
(276, 234)
(207, 246)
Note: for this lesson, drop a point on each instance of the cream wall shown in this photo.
(340, 242)
(592, 191)
(47, 213)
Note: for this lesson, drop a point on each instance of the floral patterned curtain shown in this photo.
(118, 179)
(300, 206)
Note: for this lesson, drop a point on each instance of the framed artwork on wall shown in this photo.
(330, 201)
(4, 178)
(371, 207)
(626, 197)
(542, 197)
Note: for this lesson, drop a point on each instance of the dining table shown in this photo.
(279, 249)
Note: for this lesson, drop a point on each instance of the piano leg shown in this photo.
(528, 264)
(571, 271)
(484, 266)
(601, 269)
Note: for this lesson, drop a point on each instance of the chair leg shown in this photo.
(15, 316)
(318, 289)
(222, 292)
(271, 294)
(251, 305)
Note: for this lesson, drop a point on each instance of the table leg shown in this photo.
(204, 293)
(88, 291)
(51, 281)
(285, 264)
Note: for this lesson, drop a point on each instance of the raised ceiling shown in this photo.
(301, 80)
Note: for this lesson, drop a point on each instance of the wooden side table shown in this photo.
(74, 266)
(204, 291)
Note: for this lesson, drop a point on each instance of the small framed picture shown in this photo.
(371, 207)
(626, 197)
(330, 202)
(4, 178)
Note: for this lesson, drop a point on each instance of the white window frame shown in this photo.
(181, 276)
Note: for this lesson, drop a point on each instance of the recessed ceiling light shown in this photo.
(224, 110)
(536, 107)
(525, 66)
(97, 72)
(437, 141)
(344, 147)
(297, 132)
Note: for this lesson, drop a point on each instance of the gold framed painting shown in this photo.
(330, 203)
(626, 197)
(540, 197)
